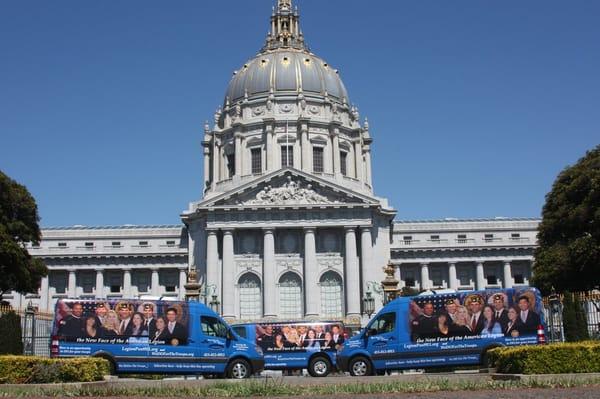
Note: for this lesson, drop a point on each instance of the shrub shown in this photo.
(33, 369)
(10, 334)
(581, 357)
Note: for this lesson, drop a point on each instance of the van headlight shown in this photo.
(258, 350)
(340, 348)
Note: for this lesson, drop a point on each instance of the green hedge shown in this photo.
(580, 357)
(33, 369)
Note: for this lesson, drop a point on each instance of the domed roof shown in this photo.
(286, 71)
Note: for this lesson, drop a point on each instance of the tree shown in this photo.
(11, 342)
(574, 319)
(568, 256)
(18, 225)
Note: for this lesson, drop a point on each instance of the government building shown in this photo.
(289, 225)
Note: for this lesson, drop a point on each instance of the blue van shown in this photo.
(142, 336)
(444, 330)
(297, 345)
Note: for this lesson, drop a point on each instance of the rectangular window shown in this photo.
(87, 281)
(515, 236)
(62, 244)
(213, 327)
(256, 155)
(407, 240)
(519, 279)
(287, 156)
(488, 237)
(409, 282)
(436, 277)
(435, 238)
(89, 245)
(170, 243)
(464, 277)
(461, 238)
(318, 159)
(491, 279)
(143, 243)
(116, 243)
(231, 164)
(343, 162)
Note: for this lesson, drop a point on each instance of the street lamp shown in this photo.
(215, 305)
(555, 305)
(369, 303)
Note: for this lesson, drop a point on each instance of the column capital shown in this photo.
(309, 229)
(211, 232)
(452, 263)
(99, 271)
(228, 231)
(126, 269)
(154, 269)
(479, 262)
(268, 230)
(424, 264)
(507, 262)
(349, 229)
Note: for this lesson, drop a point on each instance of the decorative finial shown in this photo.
(206, 127)
(285, 28)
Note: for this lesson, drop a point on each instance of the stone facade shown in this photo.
(289, 225)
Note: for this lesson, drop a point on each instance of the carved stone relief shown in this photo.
(291, 193)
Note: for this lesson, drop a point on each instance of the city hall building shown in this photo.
(289, 225)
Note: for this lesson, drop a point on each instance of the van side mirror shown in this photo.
(230, 335)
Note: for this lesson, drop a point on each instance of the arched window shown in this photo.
(332, 295)
(290, 296)
(250, 297)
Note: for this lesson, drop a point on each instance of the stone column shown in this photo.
(358, 162)
(228, 275)
(238, 154)
(480, 276)
(305, 143)
(366, 258)
(44, 294)
(336, 151)
(368, 167)
(212, 264)
(269, 139)
(127, 283)
(352, 275)
(182, 282)
(216, 172)
(508, 281)
(72, 284)
(311, 273)
(100, 283)
(452, 276)
(269, 274)
(155, 283)
(425, 282)
(207, 177)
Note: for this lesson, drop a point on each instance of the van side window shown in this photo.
(213, 327)
(240, 330)
(383, 324)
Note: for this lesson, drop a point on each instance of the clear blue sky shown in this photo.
(474, 106)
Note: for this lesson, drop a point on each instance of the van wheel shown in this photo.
(319, 367)
(238, 369)
(360, 366)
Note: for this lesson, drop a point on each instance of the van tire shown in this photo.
(239, 369)
(319, 366)
(360, 366)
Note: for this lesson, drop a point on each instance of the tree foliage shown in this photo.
(10, 334)
(568, 256)
(19, 271)
(574, 319)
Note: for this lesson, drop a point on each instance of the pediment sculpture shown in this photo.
(291, 193)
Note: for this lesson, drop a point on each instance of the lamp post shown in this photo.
(29, 330)
(369, 303)
(215, 305)
(390, 284)
(555, 312)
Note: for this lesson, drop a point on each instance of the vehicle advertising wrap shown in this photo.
(506, 315)
(122, 322)
(299, 337)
